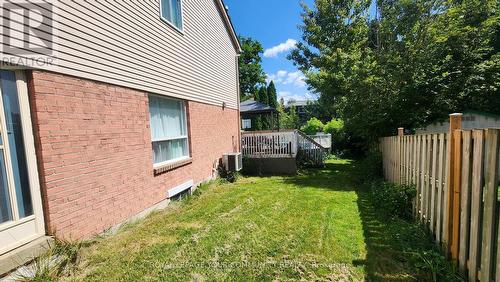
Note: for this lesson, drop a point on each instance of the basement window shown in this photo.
(168, 130)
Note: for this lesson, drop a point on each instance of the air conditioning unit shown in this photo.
(232, 161)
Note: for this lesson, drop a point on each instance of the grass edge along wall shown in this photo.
(94, 150)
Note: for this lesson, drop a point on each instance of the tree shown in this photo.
(262, 120)
(262, 96)
(412, 64)
(288, 119)
(335, 127)
(251, 74)
(257, 123)
(271, 95)
(256, 96)
(321, 109)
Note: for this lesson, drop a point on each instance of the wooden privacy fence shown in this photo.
(456, 177)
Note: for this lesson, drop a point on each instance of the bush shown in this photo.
(225, 175)
(340, 138)
(393, 200)
(312, 126)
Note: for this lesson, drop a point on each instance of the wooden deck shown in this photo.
(282, 144)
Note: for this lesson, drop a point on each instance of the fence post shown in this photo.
(454, 186)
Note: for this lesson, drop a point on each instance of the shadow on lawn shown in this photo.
(389, 243)
(334, 176)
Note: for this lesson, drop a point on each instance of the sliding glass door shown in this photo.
(21, 218)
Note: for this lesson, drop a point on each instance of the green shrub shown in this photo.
(334, 126)
(312, 126)
(340, 140)
(227, 176)
(393, 200)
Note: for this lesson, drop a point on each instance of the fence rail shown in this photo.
(456, 176)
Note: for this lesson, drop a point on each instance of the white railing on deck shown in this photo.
(269, 144)
(282, 144)
(311, 149)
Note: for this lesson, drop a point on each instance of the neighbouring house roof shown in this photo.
(229, 25)
(252, 106)
(298, 103)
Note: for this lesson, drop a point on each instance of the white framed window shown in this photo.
(169, 133)
(171, 12)
(246, 123)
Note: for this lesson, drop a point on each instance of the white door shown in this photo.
(21, 215)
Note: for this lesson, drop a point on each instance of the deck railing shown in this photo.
(279, 144)
(269, 144)
(311, 149)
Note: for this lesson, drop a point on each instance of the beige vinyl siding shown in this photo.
(126, 43)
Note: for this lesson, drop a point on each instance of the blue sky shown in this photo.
(274, 24)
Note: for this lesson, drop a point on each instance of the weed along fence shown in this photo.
(457, 179)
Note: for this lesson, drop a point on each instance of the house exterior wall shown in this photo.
(93, 144)
(126, 43)
(270, 116)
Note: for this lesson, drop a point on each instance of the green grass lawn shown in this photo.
(314, 226)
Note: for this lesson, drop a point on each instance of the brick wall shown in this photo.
(94, 151)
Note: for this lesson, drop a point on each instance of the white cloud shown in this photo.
(283, 77)
(281, 73)
(278, 77)
(295, 78)
(283, 47)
